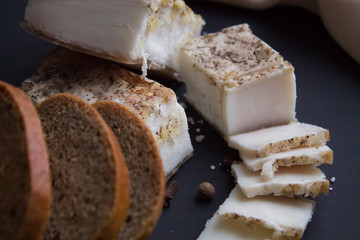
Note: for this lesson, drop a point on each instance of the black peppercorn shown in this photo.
(206, 190)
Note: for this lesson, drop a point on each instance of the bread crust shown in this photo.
(118, 213)
(156, 171)
(39, 198)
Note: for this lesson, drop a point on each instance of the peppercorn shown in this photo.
(206, 191)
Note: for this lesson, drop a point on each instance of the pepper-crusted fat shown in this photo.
(237, 81)
(287, 217)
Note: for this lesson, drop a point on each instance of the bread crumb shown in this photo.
(199, 138)
(212, 167)
(330, 188)
(191, 120)
(332, 179)
(200, 121)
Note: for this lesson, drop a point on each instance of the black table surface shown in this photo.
(328, 89)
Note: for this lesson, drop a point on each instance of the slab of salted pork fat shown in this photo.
(304, 180)
(218, 228)
(94, 79)
(237, 81)
(263, 142)
(286, 217)
(126, 31)
(299, 156)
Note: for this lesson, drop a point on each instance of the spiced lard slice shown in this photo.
(133, 32)
(286, 217)
(231, 229)
(94, 79)
(237, 81)
(299, 156)
(263, 142)
(304, 180)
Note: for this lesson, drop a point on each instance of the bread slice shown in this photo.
(89, 175)
(147, 178)
(94, 79)
(25, 189)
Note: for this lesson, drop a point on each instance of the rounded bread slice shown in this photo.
(147, 177)
(89, 175)
(25, 189)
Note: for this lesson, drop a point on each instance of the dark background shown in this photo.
(328, 88)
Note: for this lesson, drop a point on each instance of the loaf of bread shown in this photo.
(25, 189)
(90, 185)
(147, 178)
(94, 79)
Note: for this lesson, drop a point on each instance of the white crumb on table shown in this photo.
(199, 138)
(212, 167)
(191, 120)
(332, 179)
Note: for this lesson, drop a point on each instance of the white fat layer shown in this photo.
(299, 156)
(269, 102)
(177, 145)
(171, 32)
(253, 143)
(204, 96)
(277, 213)
(230, 229)
(113, 27)
(301, 177)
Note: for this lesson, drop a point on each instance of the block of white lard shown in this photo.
(287, 217)
(304, 180)
(263, 142)
(133, 32)
(237, 81)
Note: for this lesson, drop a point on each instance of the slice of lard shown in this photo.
(237, 81)
(287, 217)
(94, 79)
(231, 229)
(132, 32)
(299, 156)
(304, 180)
(263, 142)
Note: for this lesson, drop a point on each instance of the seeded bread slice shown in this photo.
(89, 175)
(25, 191)
(147, 177)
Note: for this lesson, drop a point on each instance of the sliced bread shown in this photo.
(89, 175)
(25, 189)
(94, 79)
(147, 178)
